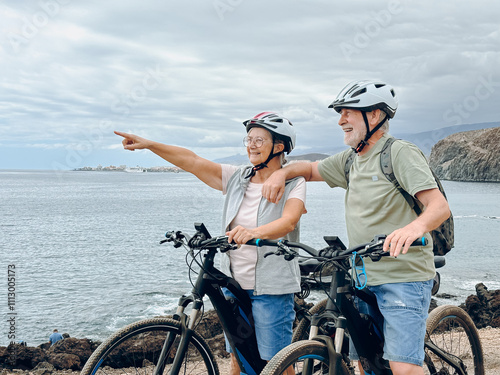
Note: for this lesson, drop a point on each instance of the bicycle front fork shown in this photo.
(187, 328)
(339, 333)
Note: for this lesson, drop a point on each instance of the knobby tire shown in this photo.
(135, 349)
(301, 332)
(451, 329)
(297, 353)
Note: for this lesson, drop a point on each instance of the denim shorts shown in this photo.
(404, 309)
(273, 316)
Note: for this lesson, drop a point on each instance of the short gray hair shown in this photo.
(283, 160)
(385, 127)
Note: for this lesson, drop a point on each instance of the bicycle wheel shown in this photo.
(450, 328)
(296, 355)
(136, 348)
(301, 332)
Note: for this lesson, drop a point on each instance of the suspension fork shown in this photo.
(187, 328)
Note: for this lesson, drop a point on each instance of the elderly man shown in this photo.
(402, 284)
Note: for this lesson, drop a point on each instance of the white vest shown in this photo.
(273, 275)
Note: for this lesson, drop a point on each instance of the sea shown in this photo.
(80, 250)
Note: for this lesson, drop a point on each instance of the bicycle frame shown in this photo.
(369, 345)
(453, 361)
(340, 309)
(234, 315)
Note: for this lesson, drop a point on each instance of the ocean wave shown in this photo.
(118, 322)
(160, 309)
(465, 287)
(485, 217)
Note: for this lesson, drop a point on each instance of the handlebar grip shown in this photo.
(258, 242)
(420, 242)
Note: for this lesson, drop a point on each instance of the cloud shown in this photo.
(189, 73)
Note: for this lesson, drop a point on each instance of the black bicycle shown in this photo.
(172, 345)
(452, 344)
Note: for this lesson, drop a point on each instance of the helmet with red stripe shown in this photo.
(278, 126)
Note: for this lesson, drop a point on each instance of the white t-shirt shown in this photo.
(244, 259)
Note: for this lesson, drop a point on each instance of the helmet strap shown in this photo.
(260, 166)
(361, 145)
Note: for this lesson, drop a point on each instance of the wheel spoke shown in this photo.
(452, 331)
(136, 350)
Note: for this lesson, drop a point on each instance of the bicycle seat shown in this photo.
(439, 261)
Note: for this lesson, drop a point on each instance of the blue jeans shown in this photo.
(404, 309)
(273, 316)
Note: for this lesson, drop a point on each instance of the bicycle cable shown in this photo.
(190, 259)
(334, 263)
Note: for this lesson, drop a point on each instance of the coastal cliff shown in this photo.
(468, 156)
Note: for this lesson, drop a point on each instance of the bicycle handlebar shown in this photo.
(200, 241)
(376, 244)
(277, 243)
(329, 253)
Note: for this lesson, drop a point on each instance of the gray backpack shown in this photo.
(442, 236)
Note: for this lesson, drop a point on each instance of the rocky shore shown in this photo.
(70, 354)
(468, 156)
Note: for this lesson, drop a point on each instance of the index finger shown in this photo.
(280, 195)
(274, 195)
(229, 236)
(121, 134)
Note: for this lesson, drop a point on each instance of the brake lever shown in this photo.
(175, 237)
(283, 249)
(230, 246)
(377, 255)
(169, 237)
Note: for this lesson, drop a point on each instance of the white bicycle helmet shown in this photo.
(278, 126)
(367, 96)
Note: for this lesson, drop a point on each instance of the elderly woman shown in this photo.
(270, 282)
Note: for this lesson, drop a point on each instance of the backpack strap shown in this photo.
(386, 166)
(443, 236)
(348, 163)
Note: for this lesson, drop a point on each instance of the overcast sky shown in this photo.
(189, 72)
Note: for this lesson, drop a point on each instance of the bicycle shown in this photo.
(452, 344)
(172, 345)
(309, 269)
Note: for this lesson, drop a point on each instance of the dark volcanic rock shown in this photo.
(43, 368)
(72, 353)
(63, 361)
(209, 326)
(468, 156)
(81, 348)
(68, 354)
(484, 307)
(20, 356)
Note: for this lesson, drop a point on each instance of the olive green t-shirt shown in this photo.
(374, 206)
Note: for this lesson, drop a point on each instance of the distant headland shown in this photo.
(124, 168)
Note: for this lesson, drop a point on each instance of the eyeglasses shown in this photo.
(258, 142)
(358, 271)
